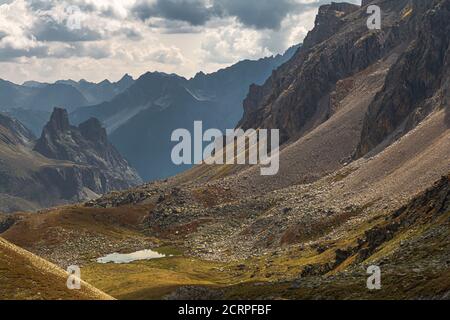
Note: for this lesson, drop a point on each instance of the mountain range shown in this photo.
(141, 115)
(32, 102)
(140, 121)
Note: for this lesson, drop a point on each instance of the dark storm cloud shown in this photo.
(194, 12)
(264, 14)
(259, 14)
(9, 53)
(51, 30)
(174, 27)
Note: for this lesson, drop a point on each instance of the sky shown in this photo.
(49, 40)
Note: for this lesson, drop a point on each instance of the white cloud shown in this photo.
(231, 43)
(165, 55)
(37, 43)
(15, 33)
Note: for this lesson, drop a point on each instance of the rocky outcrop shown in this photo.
(418, 83)
(328, 20)
(86, 145)
(12, 132)
(296, 98)
(68, 164)
(7, 222)
(423, 209)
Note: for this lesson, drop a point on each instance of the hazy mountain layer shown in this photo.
(39, 98)
(96, 93)
(33, 102)
(141, 120)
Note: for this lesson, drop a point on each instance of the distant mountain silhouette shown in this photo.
(96, 93)
(33, 102)
(43, 97)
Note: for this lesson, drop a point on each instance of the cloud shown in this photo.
(260, 14)
(80, 49)
(256, 14)
(16, 41)
(164, 55)
(172, 26)
(194, 12)
(130, 33)
(66, 22)
(231, 43)
(265, 14)
(136, 36)
(171, 55)
(47, 29)
(8, 52)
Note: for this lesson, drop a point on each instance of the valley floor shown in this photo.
(410, 245)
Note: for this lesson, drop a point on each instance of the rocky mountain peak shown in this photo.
(341, 46)
(340, 8)
(92, 130)
(126, 78)
(105, 82)
(86, 145)
(66, 164)
(328, 21)
(59, 121)
(417, 83)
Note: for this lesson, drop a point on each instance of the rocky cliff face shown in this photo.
(418, 83)
(328, 20)
(87, 145)
(12, 132)
(68, 164)
(297, 98)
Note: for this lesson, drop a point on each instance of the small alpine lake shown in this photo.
(121, 258)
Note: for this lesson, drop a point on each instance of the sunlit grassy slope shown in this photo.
(26, 276)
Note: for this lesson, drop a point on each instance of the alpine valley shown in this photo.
(364, 179)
